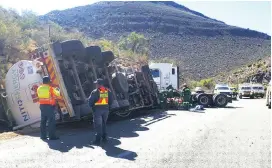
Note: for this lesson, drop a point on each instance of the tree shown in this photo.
(135, 42)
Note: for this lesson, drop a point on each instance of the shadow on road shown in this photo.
(83, 134)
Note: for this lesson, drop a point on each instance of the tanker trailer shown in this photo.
(73, 68)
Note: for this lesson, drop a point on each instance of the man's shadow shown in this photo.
(79, 135)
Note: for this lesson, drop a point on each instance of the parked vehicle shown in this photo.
(245, 90)
(223, 89)
(258, 90)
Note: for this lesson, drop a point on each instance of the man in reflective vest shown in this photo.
(100, 100)
(47, 99)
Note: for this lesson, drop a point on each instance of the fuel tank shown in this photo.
(22, 80)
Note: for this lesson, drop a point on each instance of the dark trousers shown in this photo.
(100, 118)
(48, 114)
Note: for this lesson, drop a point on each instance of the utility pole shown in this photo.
(49, 33)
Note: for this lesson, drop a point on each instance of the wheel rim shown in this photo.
(204, 100)
(221, 100)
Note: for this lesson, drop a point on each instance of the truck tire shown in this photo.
(139, 76)
(120, 83)
(146, 70)
(106, 57)
(93, 53)
(220, 100)
(251, 97)
(73, 48)
(203, 99)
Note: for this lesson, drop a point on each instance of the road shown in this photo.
(235, 137)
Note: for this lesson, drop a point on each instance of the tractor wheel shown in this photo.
(203, 99)
(120, 83)
(220, 100)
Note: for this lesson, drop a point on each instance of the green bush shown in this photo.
(204, 83)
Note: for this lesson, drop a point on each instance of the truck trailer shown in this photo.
(73, 68)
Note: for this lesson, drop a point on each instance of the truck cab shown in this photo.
(165, 74)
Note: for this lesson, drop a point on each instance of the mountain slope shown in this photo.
(204, 46)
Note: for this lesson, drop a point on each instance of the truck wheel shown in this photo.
(251, 97)
(203, 99)
(93, 53)
(73, 48)
(106, 57)
(193, 98)
(139, 76)
(220, 100)
(146, 70)
(120, 83)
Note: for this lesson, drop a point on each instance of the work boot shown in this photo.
(105, 139)
(43, 138)
(97, 141)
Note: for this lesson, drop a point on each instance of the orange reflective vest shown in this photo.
(103, 97)
(47, 94)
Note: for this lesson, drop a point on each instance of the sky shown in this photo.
(255, 15)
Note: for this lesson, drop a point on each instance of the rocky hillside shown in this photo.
(258, 72)
(203, 46)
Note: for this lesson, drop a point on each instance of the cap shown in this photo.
(99, 81)
(46, 79)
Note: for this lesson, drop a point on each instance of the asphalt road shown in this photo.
(234, 137)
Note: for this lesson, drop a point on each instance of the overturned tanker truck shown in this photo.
(72, 68)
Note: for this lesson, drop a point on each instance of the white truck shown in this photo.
(165, 74)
